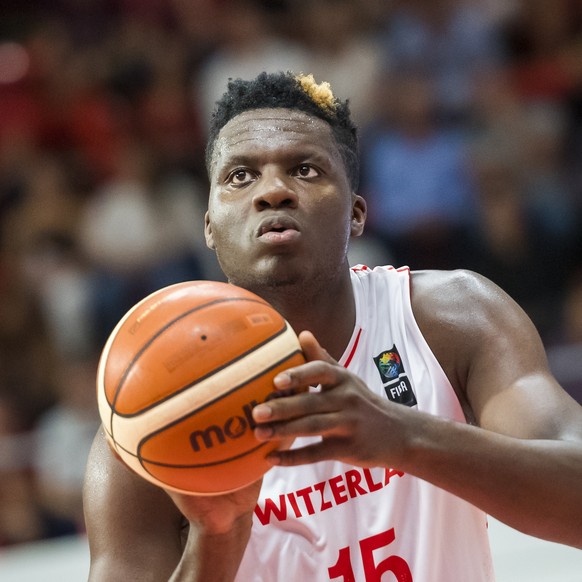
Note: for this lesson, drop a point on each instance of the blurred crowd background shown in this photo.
(471, 133)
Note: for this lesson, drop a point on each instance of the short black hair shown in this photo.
(289, 91)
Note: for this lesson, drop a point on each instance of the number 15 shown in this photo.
(372, 572)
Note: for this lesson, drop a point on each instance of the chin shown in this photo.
(268, 279)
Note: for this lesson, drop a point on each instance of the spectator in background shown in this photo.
(526, 232)
(20, 517)
(512, 244)
(27, 390)
(26, 351)
(541, 39)
(61, 279)
(40, 233)
(535, 136)
(417, 181)
(166, 117)
(544, 44)
(199, 24)
(249, 44)
(548, 190)
(453, 40)
(63, 437)
(133, 233)
(343, 49)
(48, 201)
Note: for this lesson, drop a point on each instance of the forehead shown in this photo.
(271, 130)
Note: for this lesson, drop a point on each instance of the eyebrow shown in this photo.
(239, 160)
(306, 156)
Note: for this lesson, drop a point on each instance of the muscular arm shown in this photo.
(520, 457)
(136, 532)
(132, 526)
(524, 464)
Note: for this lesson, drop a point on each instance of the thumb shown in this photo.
(312, 350)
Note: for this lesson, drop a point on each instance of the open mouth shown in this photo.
(274, 229)
(278, 231)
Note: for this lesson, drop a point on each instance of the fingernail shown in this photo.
(262, 412)
(263, 433)
(274, 458)
(282, 380)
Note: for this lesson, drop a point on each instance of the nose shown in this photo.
(274, 191)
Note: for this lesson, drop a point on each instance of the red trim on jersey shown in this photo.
(407, 270)
(366, 268)
(359, 268)
(354, 348)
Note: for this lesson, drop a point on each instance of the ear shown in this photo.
(359, 213)
(208, 232)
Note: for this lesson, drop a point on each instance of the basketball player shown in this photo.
(433, 404)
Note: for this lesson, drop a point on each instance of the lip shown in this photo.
(278, 230)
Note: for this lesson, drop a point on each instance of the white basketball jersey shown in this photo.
(333, 521)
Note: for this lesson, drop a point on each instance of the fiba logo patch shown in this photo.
(396, 383)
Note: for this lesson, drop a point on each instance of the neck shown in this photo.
(327, 310)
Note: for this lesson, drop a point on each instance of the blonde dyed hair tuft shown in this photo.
(320, 93)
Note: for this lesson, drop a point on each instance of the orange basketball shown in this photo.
(178, 378)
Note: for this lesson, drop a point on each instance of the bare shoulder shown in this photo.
(459, 306)
(449, 290)
(493, 355)
(468, 321)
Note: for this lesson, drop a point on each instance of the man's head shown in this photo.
(294, 92)
(282, 164)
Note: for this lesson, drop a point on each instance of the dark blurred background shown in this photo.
(471, 124)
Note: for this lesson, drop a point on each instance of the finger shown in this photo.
(322, 451)
(290, 381)
(309, 374)
(289, 408)
(311, 425)
(312, 348)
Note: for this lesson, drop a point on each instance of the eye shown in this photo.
(306, 171)
(240, 177)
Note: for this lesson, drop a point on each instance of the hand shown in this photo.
(356, 425)
(217, 514)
